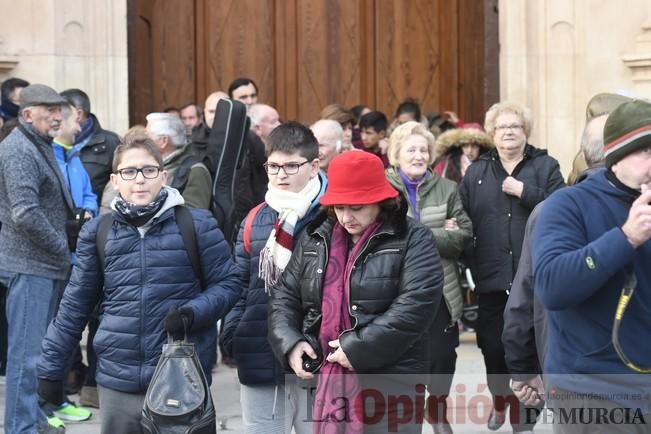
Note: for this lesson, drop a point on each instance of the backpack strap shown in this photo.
(248, 225)
(103, 228)
(186, 225)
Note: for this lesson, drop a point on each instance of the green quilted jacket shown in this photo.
(437, 200)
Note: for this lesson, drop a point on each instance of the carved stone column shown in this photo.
(70, 43)
(639, 61)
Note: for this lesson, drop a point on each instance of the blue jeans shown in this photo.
(31, 304)
(3, 331)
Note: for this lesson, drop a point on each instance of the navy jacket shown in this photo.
(581, 262)
(144, 277)
(245, 331)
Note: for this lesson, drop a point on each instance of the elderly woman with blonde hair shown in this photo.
(499, 191)
(435, 202)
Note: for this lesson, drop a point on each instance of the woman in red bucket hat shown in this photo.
(357, 299)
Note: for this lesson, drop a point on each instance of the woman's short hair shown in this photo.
(409, 105)
(390, 209)
(337, 112)
(508, 107)
(136, 131)
(137, 142)
(402, 132)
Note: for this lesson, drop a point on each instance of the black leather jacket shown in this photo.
(395, 290)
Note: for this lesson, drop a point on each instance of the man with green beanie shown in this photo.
(591, 257)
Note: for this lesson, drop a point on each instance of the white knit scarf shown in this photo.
(291, 207)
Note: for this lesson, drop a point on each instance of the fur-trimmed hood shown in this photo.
(458, 137)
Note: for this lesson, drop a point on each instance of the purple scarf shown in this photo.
(412, 191)
(335, 381)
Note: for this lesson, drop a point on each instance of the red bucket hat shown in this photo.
(356, 178)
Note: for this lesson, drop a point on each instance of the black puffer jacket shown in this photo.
(395, 290)
(499, 219)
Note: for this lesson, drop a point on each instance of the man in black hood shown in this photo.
(10, 90)
(10, 93)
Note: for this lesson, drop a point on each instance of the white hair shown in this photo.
(257, 112)
(330, 127)
(166, 124)
(592, 141)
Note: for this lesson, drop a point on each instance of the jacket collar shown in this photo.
(174, 198)
(425, 186)
(176, 155)
(96, 136)
(530, 152)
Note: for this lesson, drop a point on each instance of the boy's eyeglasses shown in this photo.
(130, 173)
(289, 168)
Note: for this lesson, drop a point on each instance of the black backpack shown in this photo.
(178, 399)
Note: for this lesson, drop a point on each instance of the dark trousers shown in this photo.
(3, 331)
(490, 324)
(444, 339)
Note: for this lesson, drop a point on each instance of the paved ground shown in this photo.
(470, 399)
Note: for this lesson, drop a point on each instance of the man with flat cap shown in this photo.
(34, 251)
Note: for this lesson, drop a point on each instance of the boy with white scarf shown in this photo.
(292, 201)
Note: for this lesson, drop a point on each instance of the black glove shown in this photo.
(178, 321)
(51, 391)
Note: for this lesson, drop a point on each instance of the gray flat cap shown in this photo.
(40, 94)
(603, 104)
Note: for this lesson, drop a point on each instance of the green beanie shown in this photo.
(627, 130)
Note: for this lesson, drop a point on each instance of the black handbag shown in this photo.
(178, 399)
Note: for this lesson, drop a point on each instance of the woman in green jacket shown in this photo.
(435, 202)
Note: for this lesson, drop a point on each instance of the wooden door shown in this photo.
(305, 54)
(162, 56)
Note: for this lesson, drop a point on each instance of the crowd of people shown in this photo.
(361, 243)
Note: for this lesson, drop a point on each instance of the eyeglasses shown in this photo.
(130, 173)
(513, 127)
(289, 168)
